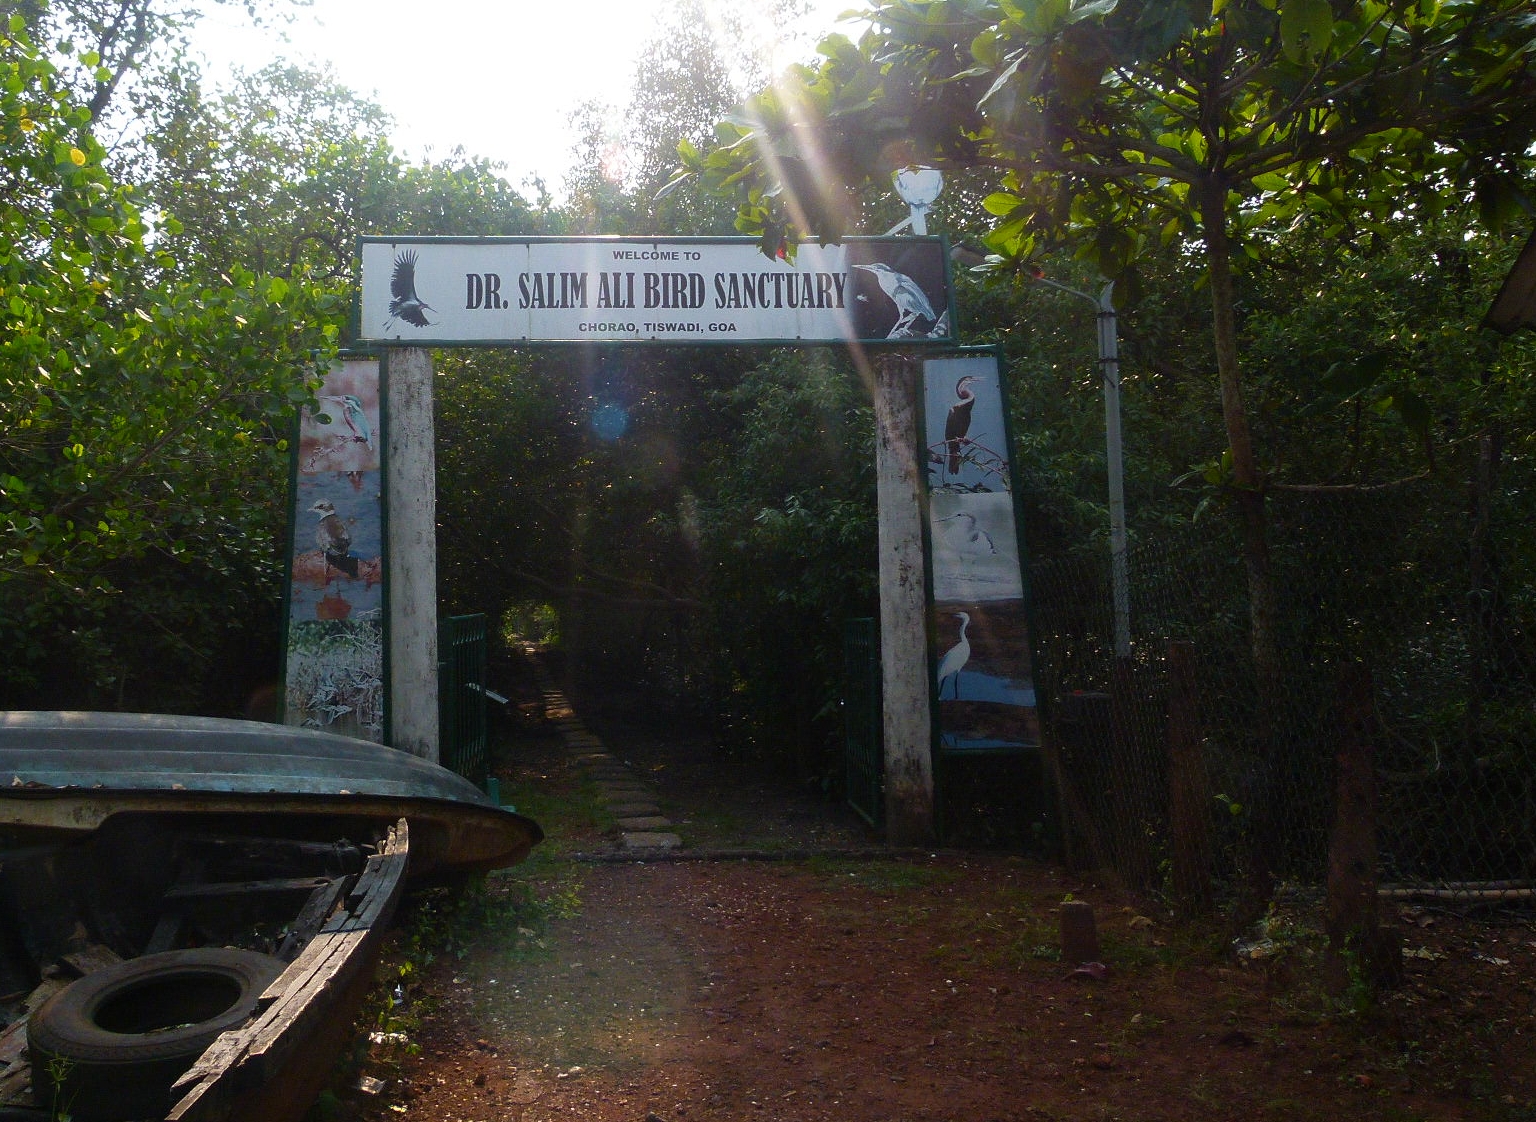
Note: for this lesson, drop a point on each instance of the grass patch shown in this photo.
(571, 815)
(884, 878)
(705, 828)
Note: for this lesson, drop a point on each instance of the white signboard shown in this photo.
(442, 291)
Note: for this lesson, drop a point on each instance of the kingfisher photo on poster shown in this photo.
(334, 649)
(983, 678)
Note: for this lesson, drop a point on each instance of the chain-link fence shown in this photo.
(1187, 756)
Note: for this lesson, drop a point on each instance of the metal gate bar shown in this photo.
(461, 647)
(864, 748)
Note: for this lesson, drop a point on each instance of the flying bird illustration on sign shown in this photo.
(910, 300)
(404, 303)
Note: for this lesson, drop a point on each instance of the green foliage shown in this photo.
(54, 1076)
(787, 536)
(1241, 135)
(143, 418)
(1117, 118)
(1121, 129)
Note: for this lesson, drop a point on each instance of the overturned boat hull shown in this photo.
(65, 772)
(134, 849)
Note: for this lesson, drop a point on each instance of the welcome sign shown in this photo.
(442, 291)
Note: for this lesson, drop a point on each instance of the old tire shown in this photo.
(108, 1047)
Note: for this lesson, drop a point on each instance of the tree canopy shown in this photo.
(1115, 126)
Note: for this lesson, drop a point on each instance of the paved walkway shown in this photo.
(631, 800)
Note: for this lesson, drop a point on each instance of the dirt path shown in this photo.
(926, 989)
(865, 992)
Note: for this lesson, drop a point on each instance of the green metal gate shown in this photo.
(862, 722)
(461, 696)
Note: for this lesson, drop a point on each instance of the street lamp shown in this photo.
(1109, 368)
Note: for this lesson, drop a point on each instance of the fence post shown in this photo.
(1359, 950)
(1189, 795)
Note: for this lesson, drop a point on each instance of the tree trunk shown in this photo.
(1189, 792)
(1248, 485)
(1361, 953)
(1247, 479)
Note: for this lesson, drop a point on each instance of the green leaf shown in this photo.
(1306, 29)
(1088, 9)
(1414, 411)
(1001, 204)
(1354, 376)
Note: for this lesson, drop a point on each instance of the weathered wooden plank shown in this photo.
(15, 1071)
(45, 989)
(13, 1042)
(90, 959)
(167, 931)
(317, 909)
(16, 1085)
(373, 908)
(243, 888)
(284, 1027)
(299, 1006)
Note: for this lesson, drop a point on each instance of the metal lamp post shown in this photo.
(1109, 367)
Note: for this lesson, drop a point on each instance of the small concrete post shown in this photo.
(411, 518)
(1079, 933)
(908, 723)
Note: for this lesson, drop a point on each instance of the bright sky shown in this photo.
(500, 79)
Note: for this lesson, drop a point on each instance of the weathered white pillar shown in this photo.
(411, 521)
(903, 604)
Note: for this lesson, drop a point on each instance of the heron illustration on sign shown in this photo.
(912, 303)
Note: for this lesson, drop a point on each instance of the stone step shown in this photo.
(644, 823)
(642, 842)
(637, 809)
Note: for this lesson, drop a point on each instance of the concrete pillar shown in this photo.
(908, 724)
(411, 521)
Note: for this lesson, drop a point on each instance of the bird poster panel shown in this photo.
(983, 673)
(334, 641)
